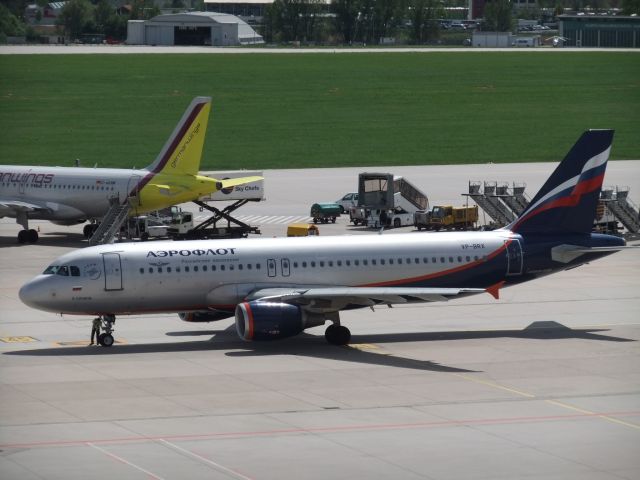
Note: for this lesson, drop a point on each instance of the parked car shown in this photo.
(348, 201)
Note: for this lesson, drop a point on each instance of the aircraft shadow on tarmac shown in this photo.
(306, 345)
(50, 239)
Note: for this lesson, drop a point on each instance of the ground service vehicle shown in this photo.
(302, 230)
(325, 212)
(389, 201)
(446, 217)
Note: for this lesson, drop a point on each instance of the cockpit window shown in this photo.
(62, 270)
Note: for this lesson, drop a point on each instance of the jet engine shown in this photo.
(199, 317)
(259, 320)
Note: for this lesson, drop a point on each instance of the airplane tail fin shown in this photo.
(182, 152)
(567, 202)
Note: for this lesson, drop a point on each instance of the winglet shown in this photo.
(494, 290)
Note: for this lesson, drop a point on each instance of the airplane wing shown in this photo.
(339, 298)
(13, 206)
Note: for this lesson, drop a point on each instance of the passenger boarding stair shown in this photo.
(622, 208)
(514, 199)
(111, 223)
(491, 203)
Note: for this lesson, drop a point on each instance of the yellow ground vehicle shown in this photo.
(446, 217)
(302, 230)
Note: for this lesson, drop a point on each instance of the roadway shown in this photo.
(136, 49)
(544, 383)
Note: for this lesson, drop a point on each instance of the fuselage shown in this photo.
(218, 274)
(70, 194)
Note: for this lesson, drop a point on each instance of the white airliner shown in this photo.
(71, 195)
(278, 287)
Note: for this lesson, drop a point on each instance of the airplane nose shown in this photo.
(28, 294)
(33, 294)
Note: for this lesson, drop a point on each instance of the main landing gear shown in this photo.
(27, 236)
(337, 334)
(106, 338)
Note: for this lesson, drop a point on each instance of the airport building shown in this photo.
(600, 31)
(192, 28)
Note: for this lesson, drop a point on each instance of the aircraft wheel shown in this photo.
(396, 223)
(105, 339)
(23, 236)
(32, 236)
(337, 335)
(86, 230)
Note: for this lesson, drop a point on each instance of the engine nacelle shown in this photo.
(269, 321)
(199, 317)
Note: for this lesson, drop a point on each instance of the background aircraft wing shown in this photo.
(338, 298)
(14, 206)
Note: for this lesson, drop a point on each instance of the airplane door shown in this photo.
(284, 266)
(514, 257)
(112, 271)
(271, 267)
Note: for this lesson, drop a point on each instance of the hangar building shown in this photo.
(600, 31)
(192, 28)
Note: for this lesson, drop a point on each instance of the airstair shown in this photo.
(622, 208)
(490, 202)
(111, 223)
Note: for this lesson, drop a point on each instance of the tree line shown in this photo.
(306, 21)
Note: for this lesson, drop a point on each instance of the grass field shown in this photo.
(315, 110)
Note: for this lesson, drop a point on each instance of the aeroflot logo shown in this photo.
(193, 133)
(192, 253)
(39, 178)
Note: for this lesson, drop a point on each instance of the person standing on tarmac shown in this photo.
(95, 329)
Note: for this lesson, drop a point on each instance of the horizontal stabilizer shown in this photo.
(568, 253)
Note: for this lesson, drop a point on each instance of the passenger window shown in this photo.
(186, 269)
(222, 268)
(321, 263)
(239, 266)
(356, 262)
(142, 270)
(257, 266)
(339, 262)
(168, 269)
(195, 268)
(150, 270)
(304, 264)
(204, 268)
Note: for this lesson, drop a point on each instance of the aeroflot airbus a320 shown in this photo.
(278, 287)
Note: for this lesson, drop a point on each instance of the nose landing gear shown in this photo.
(106, 338)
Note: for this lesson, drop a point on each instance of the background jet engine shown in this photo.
(198, 317)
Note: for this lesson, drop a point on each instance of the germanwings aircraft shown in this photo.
(278, 287)
(71, 195)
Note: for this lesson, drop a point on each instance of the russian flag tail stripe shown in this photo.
(567, 202)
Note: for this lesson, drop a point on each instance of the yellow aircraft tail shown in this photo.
(182, 152)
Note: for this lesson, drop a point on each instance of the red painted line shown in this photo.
(335, 429)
